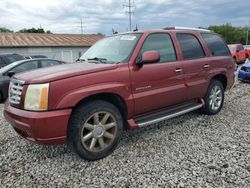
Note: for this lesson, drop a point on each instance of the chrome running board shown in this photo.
(166, 114)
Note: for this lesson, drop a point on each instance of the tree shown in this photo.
(230, 34)
(4, 30)
(33, 30)
(100, 34)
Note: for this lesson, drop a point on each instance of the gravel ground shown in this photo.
(189, 151)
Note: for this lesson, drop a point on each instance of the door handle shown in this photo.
(206, 66)
(178, 70)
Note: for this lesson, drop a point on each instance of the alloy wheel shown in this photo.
(215, 98)
(99, 131)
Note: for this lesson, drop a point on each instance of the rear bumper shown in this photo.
(40, 127)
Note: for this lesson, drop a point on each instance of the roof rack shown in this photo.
(187, 28)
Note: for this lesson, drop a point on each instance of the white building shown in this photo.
(65, 47)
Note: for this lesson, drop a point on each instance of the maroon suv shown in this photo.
(127, 80)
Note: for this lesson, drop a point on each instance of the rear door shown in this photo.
(195, 65)
(158, 84)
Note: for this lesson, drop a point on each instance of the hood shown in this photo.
(58, 72)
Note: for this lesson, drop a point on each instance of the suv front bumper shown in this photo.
(41, 127)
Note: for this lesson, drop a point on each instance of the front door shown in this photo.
(160, 84)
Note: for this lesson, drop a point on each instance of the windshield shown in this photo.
(232, 48)
(113, 49)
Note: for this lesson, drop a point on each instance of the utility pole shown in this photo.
(130, 6)
(81, 26)
(248, 31)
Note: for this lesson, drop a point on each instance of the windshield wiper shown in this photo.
(101, 60)
(80, 60)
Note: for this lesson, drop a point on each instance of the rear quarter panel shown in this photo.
(223, 65)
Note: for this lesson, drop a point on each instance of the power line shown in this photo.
(130, 6)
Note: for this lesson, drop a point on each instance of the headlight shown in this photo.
(36, 98)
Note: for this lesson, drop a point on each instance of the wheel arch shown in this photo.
(112, 98)
(222, 78)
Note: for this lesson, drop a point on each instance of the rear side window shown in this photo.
(26, 67)
(216, 44)
(190, 46)
(161, 43)
(48, 63)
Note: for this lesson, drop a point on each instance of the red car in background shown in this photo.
(238, 52)
(247, 51)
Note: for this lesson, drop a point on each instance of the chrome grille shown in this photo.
(15, 91)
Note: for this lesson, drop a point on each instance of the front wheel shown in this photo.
(214, 98)
(95, 129)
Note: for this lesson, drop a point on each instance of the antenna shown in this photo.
(130, 6)
(136, 28)
(114, 32)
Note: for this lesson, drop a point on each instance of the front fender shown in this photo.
(72, 98)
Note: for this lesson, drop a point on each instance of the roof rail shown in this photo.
(187, 28)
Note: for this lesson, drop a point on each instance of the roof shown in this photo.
(172, 29)
(234, 44)
(187, 28)
(47, 40)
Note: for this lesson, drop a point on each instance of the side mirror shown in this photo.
(150, 57)
(237, 50)
(11, 73)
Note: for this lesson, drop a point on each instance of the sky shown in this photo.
(101, 16)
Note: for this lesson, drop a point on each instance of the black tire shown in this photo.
(81, 116)
(208, 108)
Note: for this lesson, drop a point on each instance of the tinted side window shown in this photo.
(48, 63)
(161, 43)
(25, 66)
(190, 46)
(216, 44)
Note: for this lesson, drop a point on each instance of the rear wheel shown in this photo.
(95, 129)
(214, 98)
